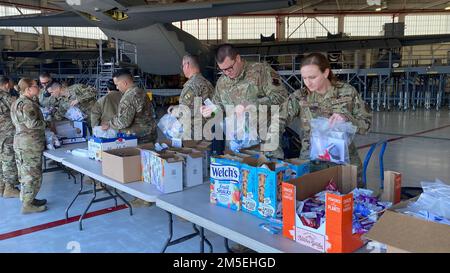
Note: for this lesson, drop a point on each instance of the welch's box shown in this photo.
(96, 145)
(225, 187)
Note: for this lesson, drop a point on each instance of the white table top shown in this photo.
(93, 169)
(59, 154)
(193, 205)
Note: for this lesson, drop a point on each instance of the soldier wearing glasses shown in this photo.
(246, 83)
(44, 96)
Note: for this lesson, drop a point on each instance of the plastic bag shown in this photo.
(330, 143)
(98, 132)
(171, 127)
(52, 141)
(74, 114)
(47, 113)
(240, 134)
(433, 203)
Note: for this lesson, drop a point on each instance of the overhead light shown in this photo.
(447, 7)
(378, 9)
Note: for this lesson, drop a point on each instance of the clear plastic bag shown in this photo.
(171, 127)
(47, 113)
(98, 132)
(330, 143)
(240, 134)
(74, 114)
(433, 202)
(52, 141)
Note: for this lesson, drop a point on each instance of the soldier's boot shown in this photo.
(39, 202)
(30, 208)
(2, 188)
(10, 192)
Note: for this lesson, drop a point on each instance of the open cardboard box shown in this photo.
(163, 169)
(123, 165)
(402, 233)
(261, 187)
(193, 166)
(335, 235)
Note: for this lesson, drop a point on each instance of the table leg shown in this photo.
(75, 198)
(110, 194)
(80, 221)
(227, 247)
(166, 244)
(169, 241)
(124, 200)
(202, 240)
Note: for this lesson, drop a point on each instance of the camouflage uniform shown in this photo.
(86, 97)
(135, 115)
(60, 104)
(29, 143)
(105, 109)
(341, 99)
(196, 86)
(258, 84)
(8, 168)
(43, 100)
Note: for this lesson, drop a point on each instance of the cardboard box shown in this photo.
(336, 234)
(70, 132)
(249, 186)
(261, 186)
(145, 161)
(70, 129)
(192, 166)
(392, 189)
(97, 145)
(403, 233)
(123, 165)
(296, 168)
(164, 169)
(225, 187)
(205, 148)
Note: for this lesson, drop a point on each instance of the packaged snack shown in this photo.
(225, 187)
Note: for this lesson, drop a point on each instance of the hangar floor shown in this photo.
(419, 148)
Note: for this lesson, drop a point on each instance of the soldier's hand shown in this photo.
(105, 126)
(74, 102)
(206, 111)
(239, 109)
(336, 118)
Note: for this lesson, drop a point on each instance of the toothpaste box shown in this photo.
(225, 179)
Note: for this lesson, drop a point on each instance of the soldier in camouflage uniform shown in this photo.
(59, 101)
(79, 95)
(135, 112)
(245, 83)
(323, 96)
(8, 168)
(44, 96)
(29, 143)
(106, 107)
(196, 87)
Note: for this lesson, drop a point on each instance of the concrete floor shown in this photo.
(418, 156)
